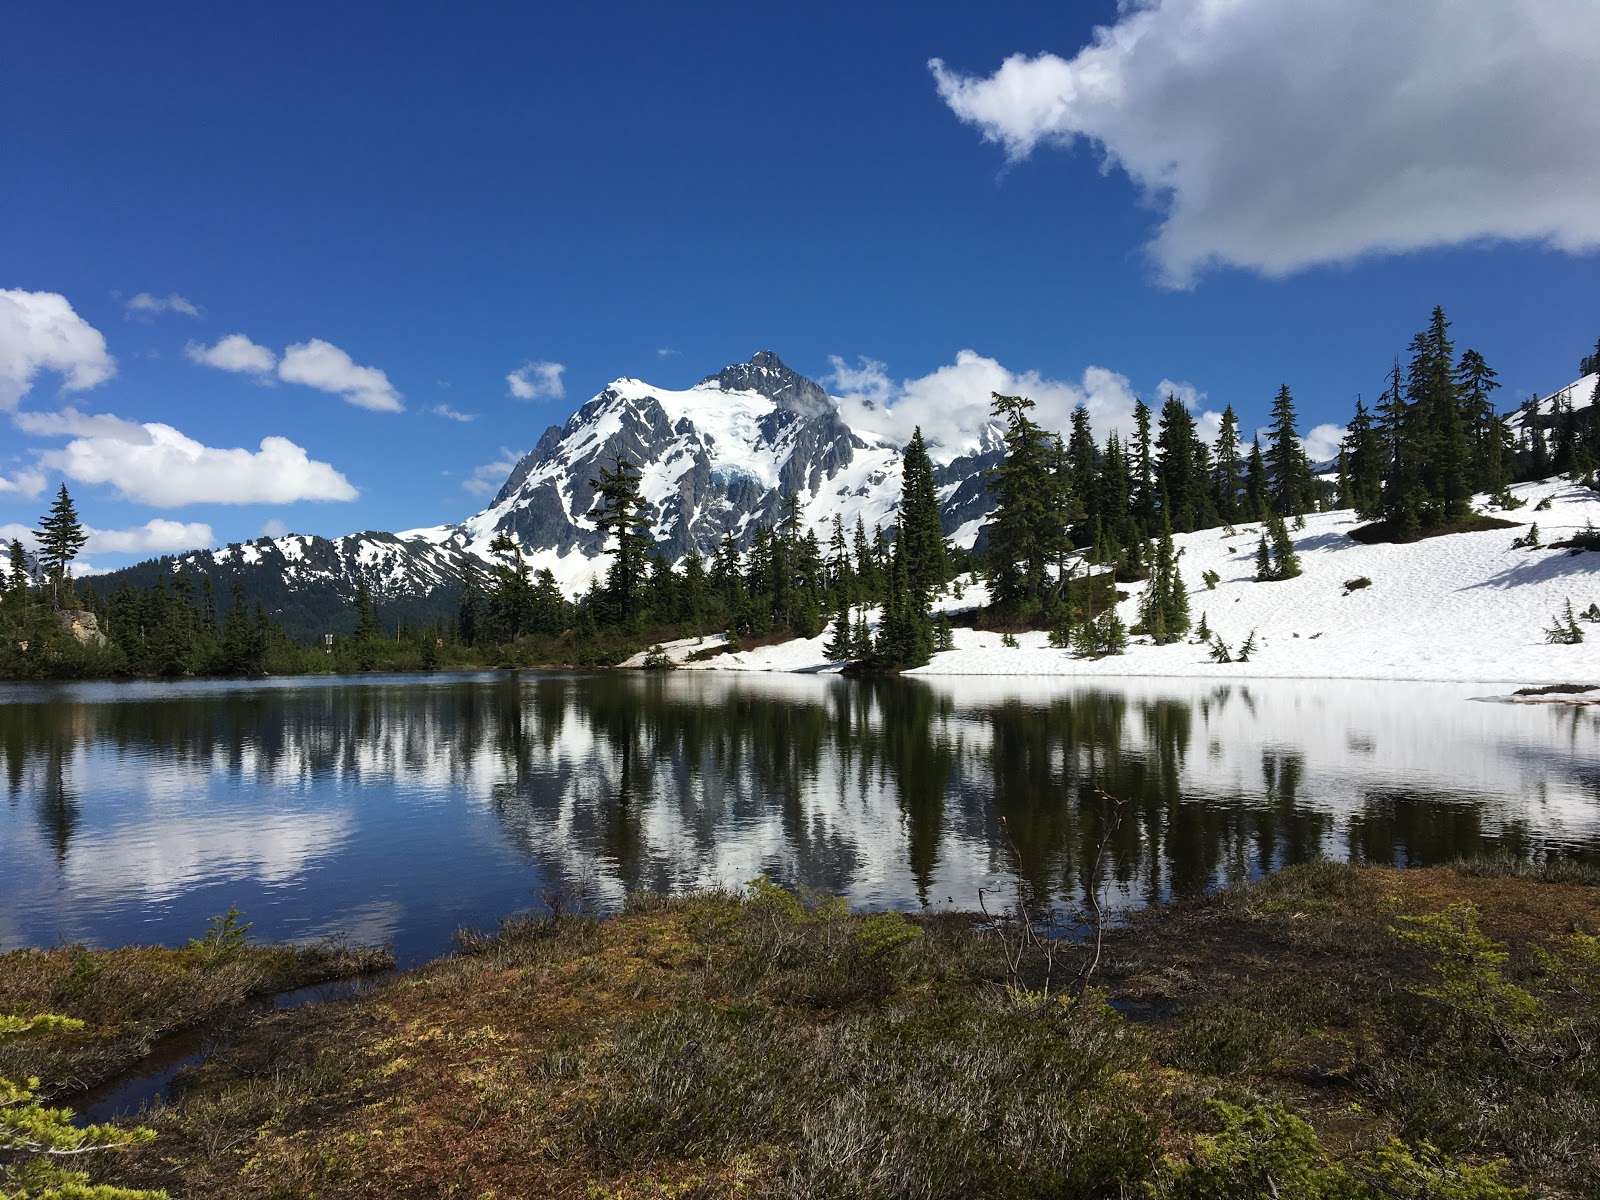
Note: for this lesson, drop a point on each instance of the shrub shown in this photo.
(1529, 540)
(1356, 584)
(35, 1140)
(224, 934)
(1211, 579)
(1563, 629)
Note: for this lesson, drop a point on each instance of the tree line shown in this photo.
(1072, 518)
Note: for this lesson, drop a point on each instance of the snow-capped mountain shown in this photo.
(716, 459)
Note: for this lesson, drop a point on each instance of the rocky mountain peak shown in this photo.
(767, 375)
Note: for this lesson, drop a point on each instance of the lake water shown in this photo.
(399, 808)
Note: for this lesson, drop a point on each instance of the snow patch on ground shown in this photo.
(1463, 607)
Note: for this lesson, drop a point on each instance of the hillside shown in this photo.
(1463, 606)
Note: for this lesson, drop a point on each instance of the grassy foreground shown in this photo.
(1328, 1032)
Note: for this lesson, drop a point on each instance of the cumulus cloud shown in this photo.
(1274, 136)
(450, 414)
(25, 483)
(952, 403)
(537, 381)
(486, 480)
(1322, 442)
(69, 422)
(39, 331)
(147, 305)
(235, 353)
(14, 532)
(324, 366)
(157, 536)
(167, 469)
(275, 529)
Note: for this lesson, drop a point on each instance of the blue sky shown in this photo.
(390, 209)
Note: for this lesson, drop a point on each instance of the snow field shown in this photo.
(1462, 607)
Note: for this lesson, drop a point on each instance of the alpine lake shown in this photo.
(399, 809)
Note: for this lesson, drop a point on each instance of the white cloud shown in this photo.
(275, 529)
(537, 381)
(16, 533)
(324, 366)
(1322, 442)
(145, 304)
(169, 470)
(69, 422)
(235, 353)
(444, 410)
(1275, 136)
(667, 352)
(486, 480)
(952, 404)
(40, 332)
(157, 536)
(25, 483)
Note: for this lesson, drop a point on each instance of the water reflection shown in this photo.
(400, 808)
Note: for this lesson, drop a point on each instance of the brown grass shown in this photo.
(719, 1047)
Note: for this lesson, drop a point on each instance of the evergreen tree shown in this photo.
(621, 517)
(1291, 474)
(921, 533)
(1083, 461)
(1164, 607)
(1227, 469)
(841, 646)
(1026, 527)
(368, 627)
(1257, 489)
(1475, 380)
(1181, 474)
(1143, 503)
(60, 536)
(1362, 465)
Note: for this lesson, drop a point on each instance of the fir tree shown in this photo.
(1291, 474)
(1027, 527)
(1257, 489)
(841, 646)
(1227, 469)
(620, 515)
(1475, 381)
(921, 538)
(1363, 465)
(60, 536)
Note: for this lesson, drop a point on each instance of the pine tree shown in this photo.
(923, 547)
(1181, 478)
(1257, 489)
(1083, 461)
(1475, 380)
(621, 517)
(1362, 459)
(1027, 526)
(1291, 473)
(1143, 503)
(1285, 561)
(1227, 469)
(60, 536)
(841, 646)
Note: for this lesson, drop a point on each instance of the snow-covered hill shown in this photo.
(1465, 606)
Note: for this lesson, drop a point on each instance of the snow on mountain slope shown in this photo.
(1465, 606)
(1576, 396)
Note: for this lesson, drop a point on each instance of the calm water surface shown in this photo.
(399, 808)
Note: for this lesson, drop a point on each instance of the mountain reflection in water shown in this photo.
(399, 808)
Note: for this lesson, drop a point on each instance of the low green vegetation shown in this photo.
(1330, 1031)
